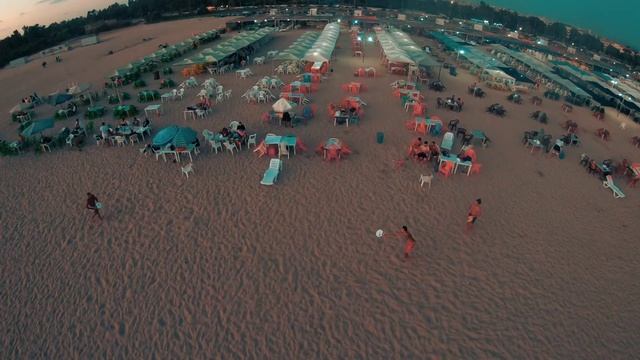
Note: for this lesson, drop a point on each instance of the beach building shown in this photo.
(542, 73)
(488, 68)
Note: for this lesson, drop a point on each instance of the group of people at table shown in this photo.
(124, 128)
(423, 151)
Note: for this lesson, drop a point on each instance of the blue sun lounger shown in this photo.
(271, 174)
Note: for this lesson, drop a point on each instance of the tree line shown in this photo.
(36, 38)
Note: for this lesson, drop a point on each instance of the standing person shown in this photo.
(94, 205)
(411, 242)
(474, 213)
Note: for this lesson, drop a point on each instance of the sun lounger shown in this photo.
(271, 174)
(447, 141)
(608, 184)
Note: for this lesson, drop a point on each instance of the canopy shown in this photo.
(227, 47)
(299, 48)
(184, 137)
(323, 47)
(164, 136)
(282, 105)
(398, 47)
(78, 89)
(58, 98)
(21, 107)
(37, 127)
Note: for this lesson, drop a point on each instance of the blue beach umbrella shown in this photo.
(164, 136)
(37, 127)
(185, 136)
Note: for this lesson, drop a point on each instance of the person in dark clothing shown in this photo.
(286, 118)
(94, 205)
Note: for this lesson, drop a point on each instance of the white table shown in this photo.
(243, 73)
(190, 112)
(167, 96)
(157, 108)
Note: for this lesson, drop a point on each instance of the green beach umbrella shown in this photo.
(37, 127)
(184, 137)
(164, 136)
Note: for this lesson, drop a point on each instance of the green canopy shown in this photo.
(37, 127)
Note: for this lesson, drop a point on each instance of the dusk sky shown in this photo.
(611, 18)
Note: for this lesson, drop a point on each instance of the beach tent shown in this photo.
(38, 126)
(282, 105)
(164, 136)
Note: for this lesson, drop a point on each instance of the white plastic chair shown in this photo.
(200, 113)
(234, 125)
(252, 140)
(230, 147)
(227, 94)
(187, 169)
(121, 140)
(282, 150)
(215, 145)
(219, 98)
(134, 139)
(180, 93)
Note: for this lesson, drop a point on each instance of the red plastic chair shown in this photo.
(446, 169)
(475, 168)
(333, 154)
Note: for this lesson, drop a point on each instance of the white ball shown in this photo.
(379, 233)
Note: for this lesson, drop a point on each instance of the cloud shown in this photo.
(22, 13)
(50, 2)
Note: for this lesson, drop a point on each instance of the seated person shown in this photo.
(135, 121)
(423, 151)
(241, 126)
(286, 118)
(123, 122)
(45, 140)
(77, 125)
(225, 132)
(435, 149)
(463, 156)
(414, 148)
(146, 122)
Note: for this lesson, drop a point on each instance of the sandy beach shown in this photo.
(219, 266)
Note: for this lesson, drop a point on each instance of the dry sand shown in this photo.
(218, 266)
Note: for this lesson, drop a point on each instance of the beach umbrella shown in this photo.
(164, 136)
(37, 127)
(21, 107)
(185, 136)
(282, 105)
(78, 89)
(58, 98)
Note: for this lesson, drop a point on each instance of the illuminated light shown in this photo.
(371, 40)
(339, 20)
(359, 38)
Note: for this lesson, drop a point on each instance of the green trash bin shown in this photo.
(380, 137)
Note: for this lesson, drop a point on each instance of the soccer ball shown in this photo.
(379, 233)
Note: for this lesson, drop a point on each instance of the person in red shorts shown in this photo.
(411, 242)
(474, 213)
